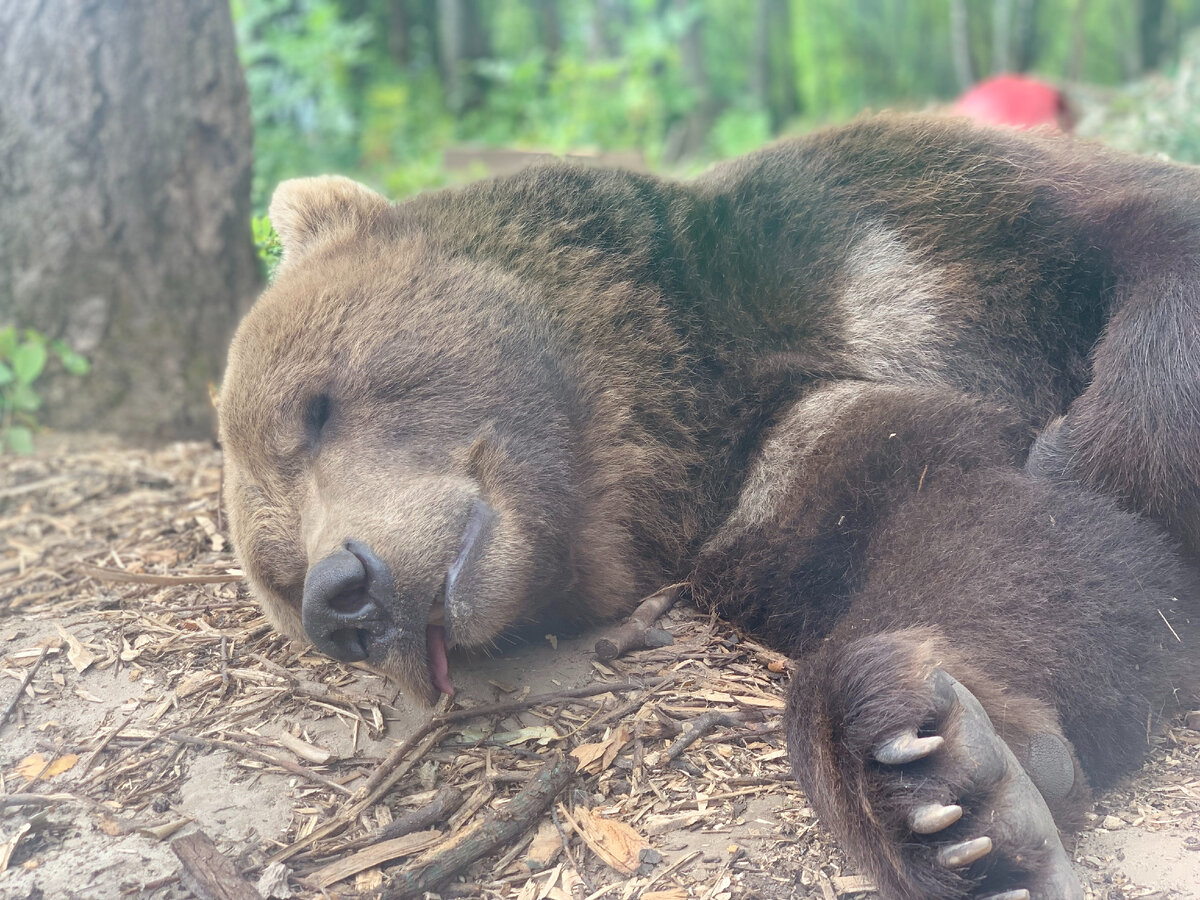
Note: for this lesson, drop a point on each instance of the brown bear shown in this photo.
(916, 401)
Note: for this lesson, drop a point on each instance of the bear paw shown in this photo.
(994, 829)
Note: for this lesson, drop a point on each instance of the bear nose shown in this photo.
(345, 601)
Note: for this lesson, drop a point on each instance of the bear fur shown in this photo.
(914, 401)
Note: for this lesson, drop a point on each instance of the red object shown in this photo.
(1017, 101)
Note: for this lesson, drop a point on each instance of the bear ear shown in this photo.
(305, 209)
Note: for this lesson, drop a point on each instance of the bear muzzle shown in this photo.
(350, 607)
(346, 603)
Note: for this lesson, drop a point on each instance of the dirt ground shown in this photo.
(161, 705)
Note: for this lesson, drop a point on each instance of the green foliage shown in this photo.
(1155, 114)
(300, 57)
(23, 359)
(357, 86)
(267, 245)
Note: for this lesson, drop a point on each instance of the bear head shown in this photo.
(400, 453)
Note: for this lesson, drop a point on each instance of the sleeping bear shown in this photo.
(915, 401)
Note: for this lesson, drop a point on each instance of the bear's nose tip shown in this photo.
(341, 610)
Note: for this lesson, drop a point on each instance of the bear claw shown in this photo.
(907, 748)
(933, 817)
(1022, 894)
(958, 856)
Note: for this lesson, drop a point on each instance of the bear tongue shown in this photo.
(439, 666)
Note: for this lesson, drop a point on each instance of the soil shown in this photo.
(163, 704)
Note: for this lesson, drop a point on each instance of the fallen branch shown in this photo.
(12, 704)
(375, 855)
(640, 631)
(437, 810)
(207, 873)
(701, 725)
(496, 828)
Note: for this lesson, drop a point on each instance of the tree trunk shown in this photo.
(1150, 33)
(549, 28)
(1026, 35)
(960, 44)
(464, 39)
(789, 92)
(125, 189)
(688, 136)
(772, 65)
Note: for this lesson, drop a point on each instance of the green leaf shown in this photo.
(8, 341)
(75, 363)
(19, 439)
(25, 398)
(6, 374)
(28, 360)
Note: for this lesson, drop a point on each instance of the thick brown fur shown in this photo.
(810, 382)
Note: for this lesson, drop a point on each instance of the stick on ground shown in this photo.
(700, 726)
(640, 631)
(495, 829)
(207, 873)
(12, 704)
(436, 811)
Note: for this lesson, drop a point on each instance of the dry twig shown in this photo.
(12, 704)
(495, 829)
(640, 630)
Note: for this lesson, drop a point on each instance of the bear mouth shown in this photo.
(439, 630)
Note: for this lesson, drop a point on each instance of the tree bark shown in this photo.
(772, 63)
(1026, 34)
(688, 135)
(1150, 33)
(960, 44)
(125, 187)
(464, 39)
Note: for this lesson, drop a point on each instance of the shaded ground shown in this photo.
(170, 706)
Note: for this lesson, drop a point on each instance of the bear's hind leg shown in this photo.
(902, 762)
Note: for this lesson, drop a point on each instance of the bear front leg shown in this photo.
(905, 766)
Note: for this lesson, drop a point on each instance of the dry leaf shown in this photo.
(110, 826)
(543, 734)
(601, 753)
(672, 894)
(35, 765)
(589, 753)
(614, 842)
(80, 656)
(616, 743)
